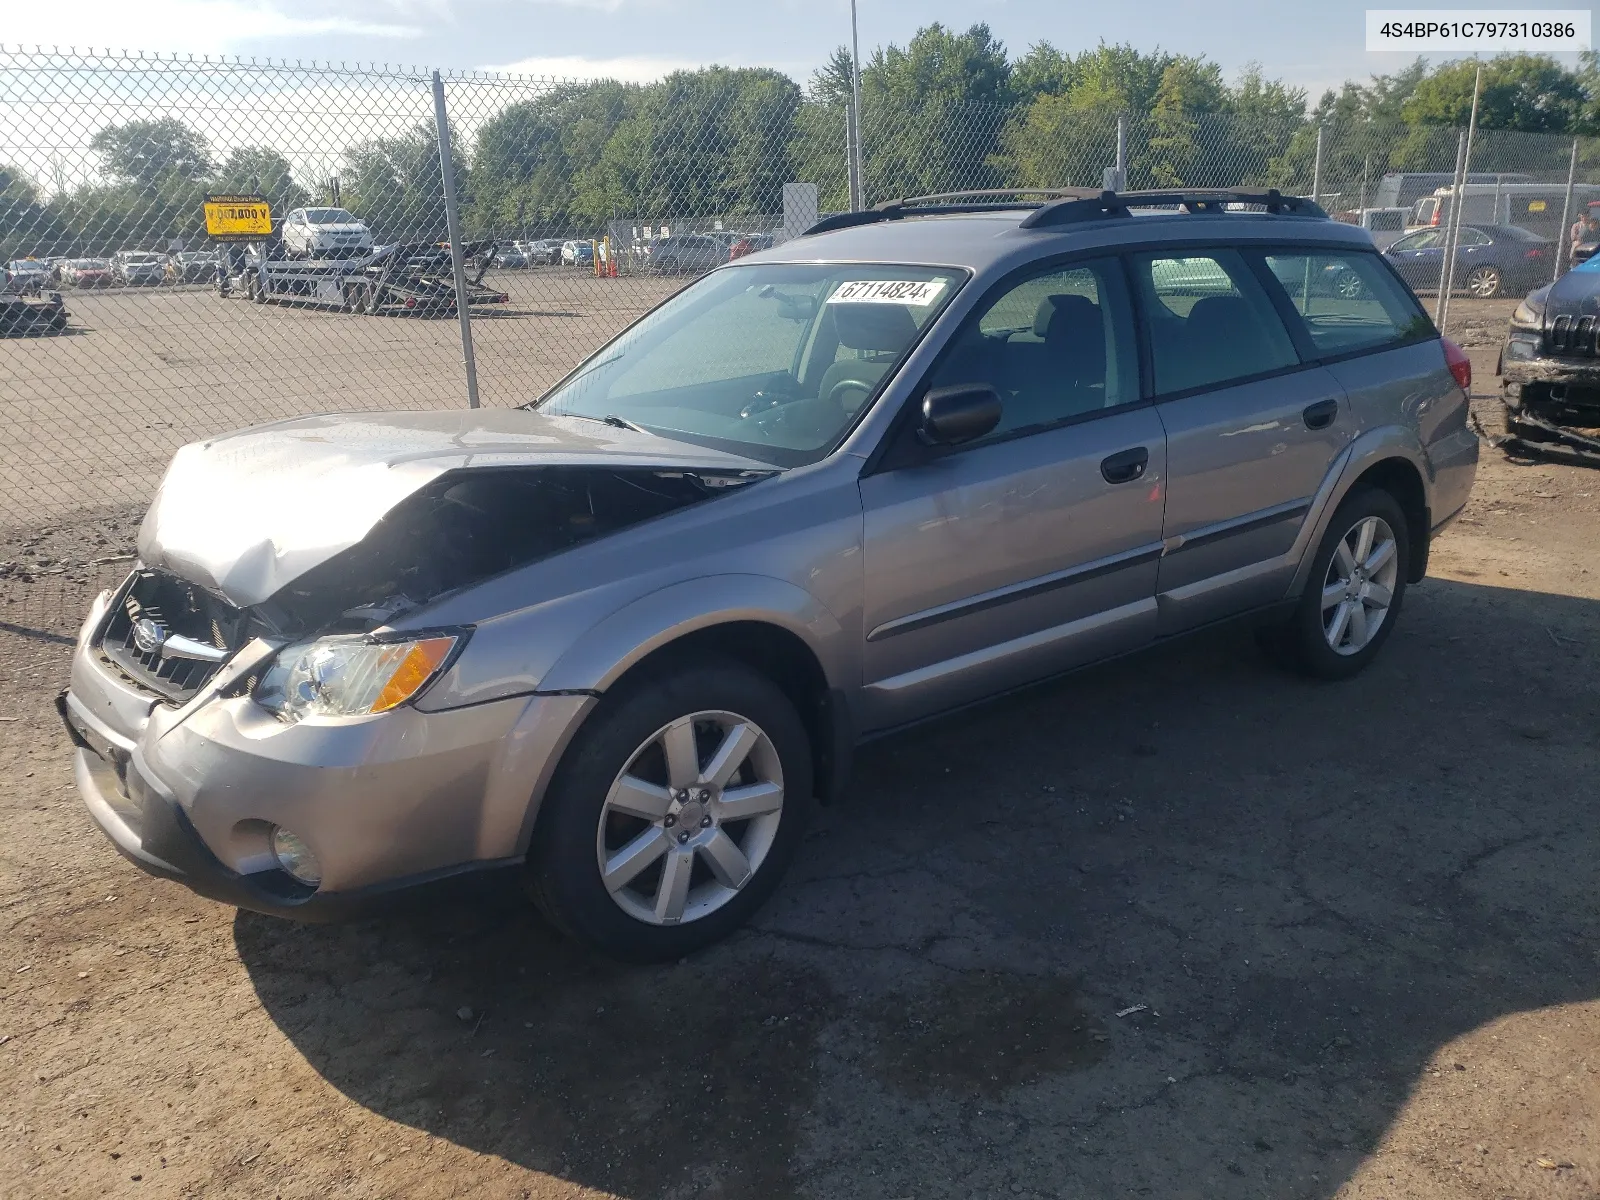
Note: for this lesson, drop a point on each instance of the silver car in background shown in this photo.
(620, 641)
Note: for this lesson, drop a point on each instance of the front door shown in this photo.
(1034, 548)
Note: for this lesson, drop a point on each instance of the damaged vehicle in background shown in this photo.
(1550, 368)
(619, 643)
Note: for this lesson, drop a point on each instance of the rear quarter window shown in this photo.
(1348, 301)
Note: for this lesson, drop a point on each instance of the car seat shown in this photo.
(880, 332)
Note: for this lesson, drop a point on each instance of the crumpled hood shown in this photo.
(248, 512)
(1575, 294)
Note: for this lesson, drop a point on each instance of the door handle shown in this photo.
(1125, 466)
(1321, 414)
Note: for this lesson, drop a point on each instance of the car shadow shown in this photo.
(1179, 925)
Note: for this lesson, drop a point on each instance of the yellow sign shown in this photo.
(1535, 205)
(238, 218)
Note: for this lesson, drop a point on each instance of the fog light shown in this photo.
(295, 857)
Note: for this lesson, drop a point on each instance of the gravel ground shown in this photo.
(1177, 927)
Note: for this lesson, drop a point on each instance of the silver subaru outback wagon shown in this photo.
(620, 641)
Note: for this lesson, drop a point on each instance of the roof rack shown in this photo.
(976, 200)
(1066, 206)
(1193, 200)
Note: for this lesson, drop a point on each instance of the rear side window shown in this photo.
(1210, 321)
(1348, 301)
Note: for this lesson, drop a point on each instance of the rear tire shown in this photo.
(1344, 617)
(621, 764)
(1483, 283)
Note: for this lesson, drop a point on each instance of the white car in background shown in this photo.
(325, 233)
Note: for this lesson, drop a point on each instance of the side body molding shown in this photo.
(598, 658)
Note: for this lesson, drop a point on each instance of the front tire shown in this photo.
(674, 813)
(1353, 592)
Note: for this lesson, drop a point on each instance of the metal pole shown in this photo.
(855, 98)
(1439, 305)
(1563, 246)
(1316, 171)
(452, 219)
(1122, 151)
(852, 175)
(1461, 206)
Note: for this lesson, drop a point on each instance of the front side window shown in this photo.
(770, 360)
(1209, 321)
(1348, 301)
(1424, 239)
(1056, 346)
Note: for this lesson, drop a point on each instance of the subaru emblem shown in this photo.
(148, 636)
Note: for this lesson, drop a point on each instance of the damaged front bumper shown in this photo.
(193, 792)
(1550, 401)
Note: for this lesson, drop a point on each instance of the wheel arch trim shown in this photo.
(1375, 446)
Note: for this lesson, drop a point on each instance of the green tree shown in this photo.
(151, 152)
(394, 185)
(1528, 92)
(263, 170)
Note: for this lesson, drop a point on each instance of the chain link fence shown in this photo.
(581, 205)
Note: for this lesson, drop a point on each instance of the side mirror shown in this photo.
(952, 415)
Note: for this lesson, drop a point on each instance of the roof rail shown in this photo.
(1194, 200)
(1066, 206)
(976, 200)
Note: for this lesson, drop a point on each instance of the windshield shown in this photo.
(772, 360)
(88, 264)
(141, 259)
(329, 216)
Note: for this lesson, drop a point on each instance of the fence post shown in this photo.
(852, 167)
(452, 220)
(1316, 171)
(1562, 245)
(1447, 285)
(1458, 190)
(855, 109)
(1122, 150)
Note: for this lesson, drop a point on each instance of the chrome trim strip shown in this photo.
(1017, 591)
(175, 645)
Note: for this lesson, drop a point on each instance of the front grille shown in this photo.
(1573, 336)
(178, 607)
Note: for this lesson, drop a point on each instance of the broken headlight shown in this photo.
(1528, 316)
(350, 676)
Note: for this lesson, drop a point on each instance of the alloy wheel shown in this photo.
(688, 822)
(1359, 587)
(1484, 283)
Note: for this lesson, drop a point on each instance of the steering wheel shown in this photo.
(836, 393)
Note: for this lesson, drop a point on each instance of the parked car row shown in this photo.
(125, 268)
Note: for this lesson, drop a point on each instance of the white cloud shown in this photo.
(639, 69)
(185, 26)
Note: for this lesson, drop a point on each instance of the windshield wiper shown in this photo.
(609, 419)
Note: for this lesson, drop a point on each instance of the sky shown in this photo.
(1314, 46)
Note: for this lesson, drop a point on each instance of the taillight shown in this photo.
(1460, 365)
(411, 301)
(1535, 253)
(1434, 220)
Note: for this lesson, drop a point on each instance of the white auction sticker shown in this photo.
(1411, 30)
(920, 292)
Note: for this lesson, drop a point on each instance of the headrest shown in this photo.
(879, 327)
(1220, 316)
(1069, 308)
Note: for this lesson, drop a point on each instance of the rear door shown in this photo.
(1251, 430)
(1032, 549)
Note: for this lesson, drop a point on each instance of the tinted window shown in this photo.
(1209, 321)
(1056, 346)
(1473, 237)
(1385, 222)
(1348, 301)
